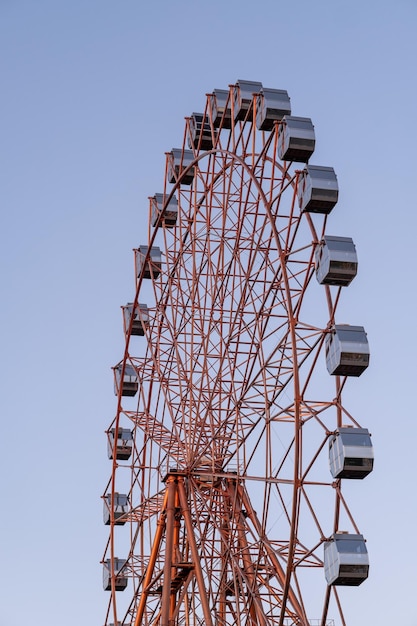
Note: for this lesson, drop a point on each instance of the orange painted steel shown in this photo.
(230, 495)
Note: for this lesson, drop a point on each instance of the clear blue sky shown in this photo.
(93, 93)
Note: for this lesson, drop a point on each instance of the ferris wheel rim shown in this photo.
(293, 315)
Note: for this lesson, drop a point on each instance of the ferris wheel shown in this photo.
(230, 441)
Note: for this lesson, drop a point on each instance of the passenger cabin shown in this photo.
(177, 161)
(221, 113)
(169, 211)
(271, 106)
(347, 350)
(140, 318)
(346, 560)
(120, 581)
(336, 261)
(124, 443)
(200, 134)
(129, 384)
(318, 191)
(152, 262)
(351, 453)
(243, 98)
(296, 139)
(120, 508)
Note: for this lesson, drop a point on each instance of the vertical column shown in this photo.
(169, 546)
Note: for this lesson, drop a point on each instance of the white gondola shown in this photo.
(120, 508)
(351, 453)
(347, 350)
(271, 106)
(296, 139)
(336, 261)
(200, 136)
(129, 384)
(151, 264)
(120, 582)
(318, 190)
(124, 444)
(177, 161)
(243, 93)
(140, 320)
(346, 560)
(169, 210)
(220, 108)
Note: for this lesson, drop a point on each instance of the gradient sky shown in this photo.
(93, 93)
